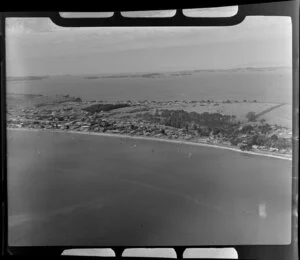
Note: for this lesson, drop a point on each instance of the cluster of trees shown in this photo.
(202, 124)
(251, 116)
(263, 140)
(181, 119)
(103, 107)
(217, 124)
(250, 129)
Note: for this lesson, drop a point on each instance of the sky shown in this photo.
(36, 46)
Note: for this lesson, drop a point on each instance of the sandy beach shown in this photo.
(283, 157)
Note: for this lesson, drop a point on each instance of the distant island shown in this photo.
(91, 77)
(181, 73)
(26, 78)
(151, 75)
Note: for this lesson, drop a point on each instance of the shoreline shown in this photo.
(159, 140)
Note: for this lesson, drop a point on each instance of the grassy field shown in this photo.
(238, 109)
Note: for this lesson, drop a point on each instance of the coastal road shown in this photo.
(72, 189)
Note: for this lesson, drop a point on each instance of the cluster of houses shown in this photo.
(76, 119)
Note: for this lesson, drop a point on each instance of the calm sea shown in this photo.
(265, 86)
(67, 189)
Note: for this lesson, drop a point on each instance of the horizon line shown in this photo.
(151, 72)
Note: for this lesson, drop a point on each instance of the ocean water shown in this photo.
(69, 189)
(263, 86)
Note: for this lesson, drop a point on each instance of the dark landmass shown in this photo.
(159, 119)
(27, 78)
(92, 77)
(103, 107)
(187, 72)
(149, 75)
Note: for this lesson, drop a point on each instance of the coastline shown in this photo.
(159, 140)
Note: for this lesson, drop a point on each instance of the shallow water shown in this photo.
(68, 189)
